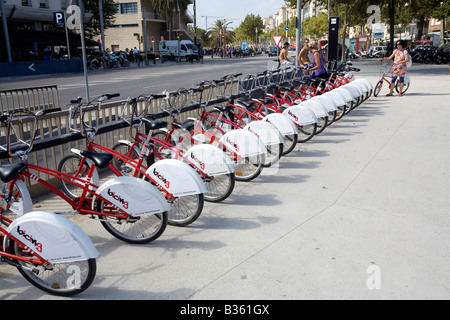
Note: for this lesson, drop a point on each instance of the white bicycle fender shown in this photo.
(285, 125)
(127, 142)
(176, 177)
(300, 115)
(367, 82)
(54, 238)
(315, 107)
(325, 101)
(354, 89)
(26, 204)
(268, 134)
(243, 143)
(346, 93)
(337, 97)
(135, 196)
(362, 84)
(210, 159)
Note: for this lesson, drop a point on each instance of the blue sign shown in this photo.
(58, 18)
(286, 28)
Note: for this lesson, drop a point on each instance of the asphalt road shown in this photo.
(134, 81)
(154, 78)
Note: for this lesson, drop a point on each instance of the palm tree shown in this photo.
(221, 27)
(167, 8)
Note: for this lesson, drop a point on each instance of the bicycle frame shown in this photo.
(163, 184)
(83, 204)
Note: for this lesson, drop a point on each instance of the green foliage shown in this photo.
(93, 28)
(248, 28)
(315, 27)
(221, 27)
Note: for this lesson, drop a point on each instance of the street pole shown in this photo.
(299, 30)
(144, 32)
(102, 31)
(5, 30)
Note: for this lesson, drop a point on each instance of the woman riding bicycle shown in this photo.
(401, 58)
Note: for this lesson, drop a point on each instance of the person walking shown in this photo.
(303, 55)
(401, 58)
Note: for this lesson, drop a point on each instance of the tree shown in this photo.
(167, 7)
(316, 27)
(221, 27)
(248, 28)
(93, 28)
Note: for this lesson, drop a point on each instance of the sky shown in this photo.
(233, 9)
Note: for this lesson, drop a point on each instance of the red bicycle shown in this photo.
(179, 183)
(128, 208)
(386, 76)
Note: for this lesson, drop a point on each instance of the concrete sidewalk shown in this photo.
(359, 212)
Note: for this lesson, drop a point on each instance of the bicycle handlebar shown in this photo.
(6, 118)
(76, 104)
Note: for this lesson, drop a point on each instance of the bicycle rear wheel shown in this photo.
(322, 123)
(219, 187)
(274, 153)
(185, 210)
(340, 112)
(248, 168)
(289, 143)
(306, 132)
(405, 87)
(59, 279)
(136, 230)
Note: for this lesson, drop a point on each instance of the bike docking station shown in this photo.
(253, 123)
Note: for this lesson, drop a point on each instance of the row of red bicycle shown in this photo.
(165, 172)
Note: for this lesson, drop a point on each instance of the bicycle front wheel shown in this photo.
(61, 279)
(19, 200)
(377, 89)
(137, 230)
(185, 210)
(73, 165)
(122, 166)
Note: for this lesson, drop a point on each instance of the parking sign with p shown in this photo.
(58, 18)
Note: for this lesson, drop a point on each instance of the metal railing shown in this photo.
(32, 99)
(54, 139)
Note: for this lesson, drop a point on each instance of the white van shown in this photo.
(170, 49)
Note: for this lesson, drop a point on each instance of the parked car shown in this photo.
(273, 51)
(377, 51)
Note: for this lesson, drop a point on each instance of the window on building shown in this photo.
(127, 8)
(26, 3)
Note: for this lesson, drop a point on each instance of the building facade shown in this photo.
(138, 25)
(33, 34)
